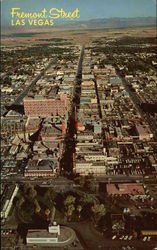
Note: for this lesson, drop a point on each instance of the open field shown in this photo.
(78, 36)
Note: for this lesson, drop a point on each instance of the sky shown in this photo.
(89, 9)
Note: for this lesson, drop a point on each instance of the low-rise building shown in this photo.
(55, 236)
(7, 201)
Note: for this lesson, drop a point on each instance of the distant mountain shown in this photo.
(115, 22)
(100, 23)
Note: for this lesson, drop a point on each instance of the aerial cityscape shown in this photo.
(79, 136)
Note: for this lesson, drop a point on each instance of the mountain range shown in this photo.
(100, 23)
(114, 22)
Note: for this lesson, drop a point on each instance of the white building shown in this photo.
(8, 203)
(85, 168)
(54, 236)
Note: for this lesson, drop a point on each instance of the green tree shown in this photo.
(27, 186)
(89, 185)
(86, 199)
(28, 205)
(70, 210)
(98, 211)
(26, 211)
(69, 200)
(87, 182)
(29, 192)
(118, 226)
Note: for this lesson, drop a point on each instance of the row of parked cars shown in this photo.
(123, 237)
(146, 238)
(7, 232)
(128, 248)
(129, 237)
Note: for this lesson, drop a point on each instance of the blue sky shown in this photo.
(89, 9)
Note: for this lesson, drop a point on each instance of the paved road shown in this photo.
(66, 162)
(78, 78)
(54, 182)
(59, 184)
(26, 90)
